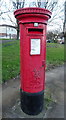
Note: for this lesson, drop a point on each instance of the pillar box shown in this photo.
(33, 24)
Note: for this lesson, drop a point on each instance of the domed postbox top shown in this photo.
(33, 14)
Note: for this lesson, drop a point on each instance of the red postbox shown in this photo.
(33, 23)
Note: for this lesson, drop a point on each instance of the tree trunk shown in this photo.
(17, 20)
(17, 30)
(64, 27)
(65, 37)
(17, 34)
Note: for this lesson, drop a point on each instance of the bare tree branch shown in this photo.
(11, 19)
(52, 5)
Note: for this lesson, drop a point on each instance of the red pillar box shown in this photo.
(33, 23)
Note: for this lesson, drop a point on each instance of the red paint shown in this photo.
(32, 66)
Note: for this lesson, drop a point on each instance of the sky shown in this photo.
(57, 23)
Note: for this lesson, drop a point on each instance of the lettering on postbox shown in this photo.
(35, 47)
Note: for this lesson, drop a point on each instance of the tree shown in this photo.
(18, 5)
(53, 36)
(14, 5)
(52, 5)
(64, 26)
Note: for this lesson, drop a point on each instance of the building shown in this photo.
(8, 31)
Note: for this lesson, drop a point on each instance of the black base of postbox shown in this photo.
(32, 103)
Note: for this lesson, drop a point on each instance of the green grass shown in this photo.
(48, 97)
(11, 61)
(55, 54)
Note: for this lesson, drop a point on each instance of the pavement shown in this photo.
(54, 83)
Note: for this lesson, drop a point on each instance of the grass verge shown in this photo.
(10, 60)
(55, 55)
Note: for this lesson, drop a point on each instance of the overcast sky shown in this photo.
(58, 20)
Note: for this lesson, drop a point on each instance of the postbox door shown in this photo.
(33, 52)
(37, 64)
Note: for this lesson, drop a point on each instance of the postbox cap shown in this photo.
(32, 14)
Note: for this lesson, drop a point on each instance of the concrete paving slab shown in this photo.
(10, 93)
